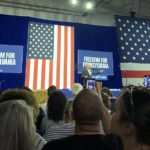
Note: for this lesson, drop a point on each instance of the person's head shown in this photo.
(88, 66)
(106, 100)
(27, 96)
(16, 125)
(67, 112)
(120, 93)
(76, 88)
(107, 90)
(55, 106)
(87, 108)
(132, 120)
(51, 89)
(26, 88)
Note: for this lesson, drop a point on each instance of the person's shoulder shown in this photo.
(59, 143)
(114, 141)
(84, 69)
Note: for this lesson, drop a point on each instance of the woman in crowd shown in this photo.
(41, 112)
(55, 107)
(76, 88)
(131, 119)
(63, 130)
(25, 95)
(17, 129)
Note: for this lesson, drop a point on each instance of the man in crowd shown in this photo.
(88, 110)
(87, 72)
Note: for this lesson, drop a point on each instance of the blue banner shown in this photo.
(98, 61)
(11, 59)
(99, 77)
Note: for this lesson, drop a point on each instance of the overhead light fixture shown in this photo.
(74, 1)
(89, 5)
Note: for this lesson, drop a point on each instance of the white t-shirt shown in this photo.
(39, 142)
(46, 124)
(44, 107)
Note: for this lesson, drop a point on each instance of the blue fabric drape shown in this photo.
(14, 31)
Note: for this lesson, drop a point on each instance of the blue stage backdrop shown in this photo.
(98, 61)
(14, 31)
(11, 59)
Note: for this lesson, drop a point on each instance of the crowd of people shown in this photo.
(91, 120)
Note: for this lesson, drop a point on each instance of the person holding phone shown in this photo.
(87, 72)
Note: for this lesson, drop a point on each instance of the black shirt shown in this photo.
(86, 142)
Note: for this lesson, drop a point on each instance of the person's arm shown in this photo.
(99, 72)
(107, 116)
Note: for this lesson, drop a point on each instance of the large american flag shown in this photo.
(50, 56)
(134, 48)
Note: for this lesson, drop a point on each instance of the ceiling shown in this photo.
(103, 7)
(139, 6)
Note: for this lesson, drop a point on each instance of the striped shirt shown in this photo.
(59, 132)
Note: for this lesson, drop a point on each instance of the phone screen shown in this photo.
(147, 81)
(90, 84)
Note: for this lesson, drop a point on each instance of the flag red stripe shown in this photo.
(27, 73)
(72, 56)
(65, 56)
(35, 74)
(134, 74)
(43, 74)
(51, 73)
(58, 58)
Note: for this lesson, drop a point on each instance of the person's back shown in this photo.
(64, 130)
(87, 112)
(55, 107)
(50, 90)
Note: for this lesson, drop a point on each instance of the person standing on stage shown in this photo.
(87, 72)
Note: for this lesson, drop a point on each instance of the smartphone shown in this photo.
(90, 84)
(147, 80)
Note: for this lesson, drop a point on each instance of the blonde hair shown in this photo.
(76, 88)
(16, 126)
(27, 96)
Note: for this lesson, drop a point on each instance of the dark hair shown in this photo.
(140, 116)
(56, 105)
(26, 88)
(121, 92)
(17, 94)
(107, 90)
(87, 107)
(105, 99)
(1, 92)
(51, 89)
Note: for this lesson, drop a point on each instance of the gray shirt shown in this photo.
(46, 124)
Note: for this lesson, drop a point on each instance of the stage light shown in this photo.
(89, 5)
(74, 1)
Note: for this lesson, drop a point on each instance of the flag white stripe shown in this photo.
(31, 74)
(69, 59)
(132, 81)
(135, 66)
(62, 58)
(39, 74)
(47, 67)
(55, 54)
